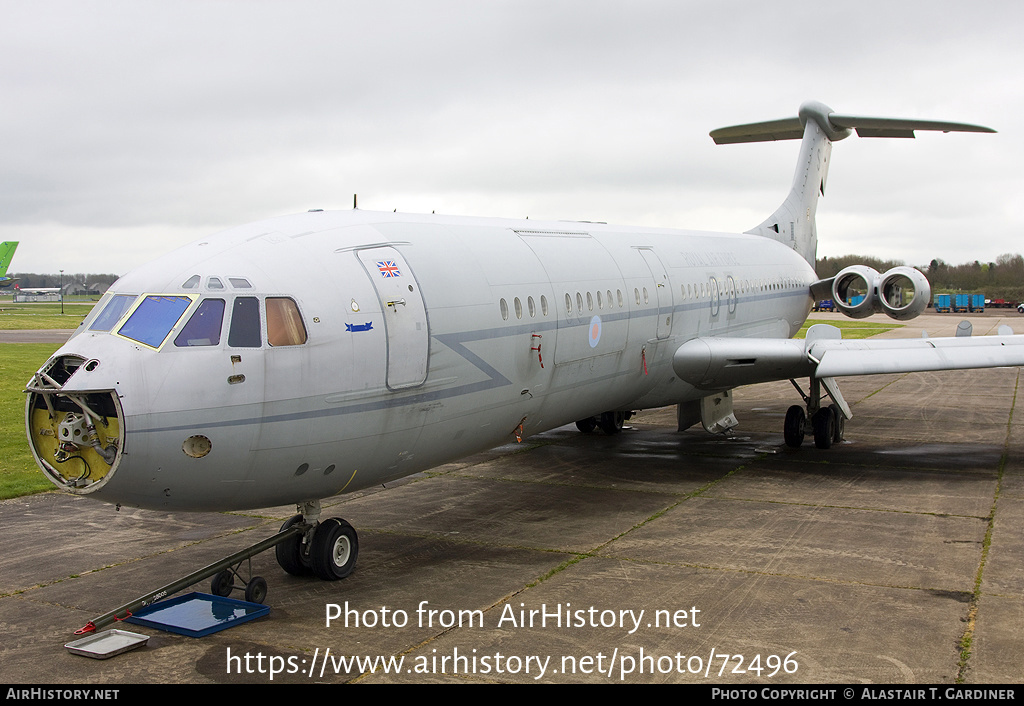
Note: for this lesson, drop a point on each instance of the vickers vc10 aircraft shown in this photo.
(309, 355)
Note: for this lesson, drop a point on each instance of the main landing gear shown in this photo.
(826, 423)
(327, 549)
(608, 422)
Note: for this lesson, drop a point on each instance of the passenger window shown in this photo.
(284, 323)
(245, 323)
(203, 329)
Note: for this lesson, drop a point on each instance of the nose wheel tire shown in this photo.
(335, 549)
(289, 552)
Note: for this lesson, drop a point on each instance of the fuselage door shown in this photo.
(405, 315)
(716, 297)
(663, 290)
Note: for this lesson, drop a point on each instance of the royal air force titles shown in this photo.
(559, 615)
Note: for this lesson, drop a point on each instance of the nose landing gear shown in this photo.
(327, 549)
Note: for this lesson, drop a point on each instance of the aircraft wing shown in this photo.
(899, 356)
(716, 364)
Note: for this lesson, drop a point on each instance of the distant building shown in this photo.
(93, 289)
(28, 296)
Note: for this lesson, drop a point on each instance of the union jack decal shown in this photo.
(388, 268)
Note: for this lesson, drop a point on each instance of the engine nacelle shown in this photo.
(853, 291)
(902, 292)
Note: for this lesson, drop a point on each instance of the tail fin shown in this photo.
(818, 127)
(6, 255)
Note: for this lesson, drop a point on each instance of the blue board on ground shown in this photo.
(198, 614)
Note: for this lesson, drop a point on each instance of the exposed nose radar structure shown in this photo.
(78, 435)
(305, 356)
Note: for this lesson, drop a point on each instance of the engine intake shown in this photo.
(902, 292)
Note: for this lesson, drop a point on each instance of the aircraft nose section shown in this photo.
(75, 423)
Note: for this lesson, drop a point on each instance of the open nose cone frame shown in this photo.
(76, 435)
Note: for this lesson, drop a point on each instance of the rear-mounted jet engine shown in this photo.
(902, 292)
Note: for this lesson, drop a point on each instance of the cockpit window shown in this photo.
(284, 323)
(191, 283)
(203, 329)
(112, 312)
(153, 318)
(245, 323)
(239, 283)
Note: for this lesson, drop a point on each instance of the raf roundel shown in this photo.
(595, 331)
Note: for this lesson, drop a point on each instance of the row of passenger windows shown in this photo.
(603, 300)
(730, 287)
(589, 301)
(517, 305)
(155, 316)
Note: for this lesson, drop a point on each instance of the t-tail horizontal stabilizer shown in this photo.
(818, 126)
(836, 127)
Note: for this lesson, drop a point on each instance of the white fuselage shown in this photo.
(427, 338)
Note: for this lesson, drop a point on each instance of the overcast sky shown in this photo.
(129, 128)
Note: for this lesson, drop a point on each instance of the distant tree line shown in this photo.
(1002, 279)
